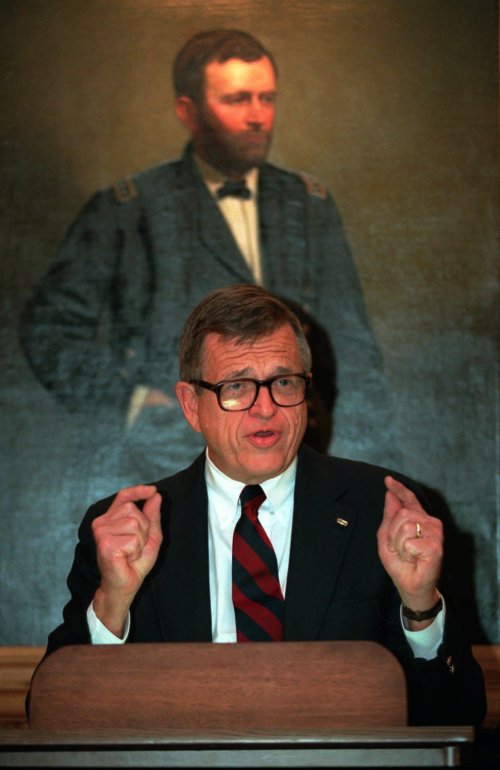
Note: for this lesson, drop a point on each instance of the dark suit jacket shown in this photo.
(336, 587)
(108, 313)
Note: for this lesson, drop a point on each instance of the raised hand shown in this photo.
(410, 546)
(127, 540)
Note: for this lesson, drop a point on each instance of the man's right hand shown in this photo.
(128, 540)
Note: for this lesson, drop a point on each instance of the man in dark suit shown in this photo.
(101, 329)
(352, 552)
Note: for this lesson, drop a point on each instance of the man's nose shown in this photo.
(255, 113)
(264, 405)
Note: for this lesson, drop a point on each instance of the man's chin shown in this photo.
(256, 160)
(254, 154)
(258, 466)
(245, 157)
(237, 160)
(243, 164)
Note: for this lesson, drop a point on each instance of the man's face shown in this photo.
(260, 443)
(233, 126)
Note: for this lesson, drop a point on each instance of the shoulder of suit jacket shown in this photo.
(125, 190)
(313, 185)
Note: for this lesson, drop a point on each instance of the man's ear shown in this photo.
(188, 399)
(187, 112)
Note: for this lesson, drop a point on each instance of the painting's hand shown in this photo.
(410, 546)
(157, 397)
(127, 540)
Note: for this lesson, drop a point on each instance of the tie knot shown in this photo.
(253, 495)
(234, 187)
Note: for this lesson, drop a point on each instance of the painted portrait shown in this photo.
(385, 111)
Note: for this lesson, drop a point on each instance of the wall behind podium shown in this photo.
(394, 106)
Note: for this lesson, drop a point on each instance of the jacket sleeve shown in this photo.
(448, 689)
(364, 424)
(74, 327)
(83, 581)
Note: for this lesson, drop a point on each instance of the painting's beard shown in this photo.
(233, 154)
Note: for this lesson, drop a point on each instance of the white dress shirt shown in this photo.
(275, 515)
(241, 214)
(242, 217)
(224, 510)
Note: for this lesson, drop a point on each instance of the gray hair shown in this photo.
(240, 312)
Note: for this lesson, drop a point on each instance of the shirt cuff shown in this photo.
(425, 643)
(99, 634)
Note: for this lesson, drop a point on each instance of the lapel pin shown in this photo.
(342, 522)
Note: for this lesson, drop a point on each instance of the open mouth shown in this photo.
(264, 438)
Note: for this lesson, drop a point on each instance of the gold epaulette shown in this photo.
(125, 190)
(314, 186)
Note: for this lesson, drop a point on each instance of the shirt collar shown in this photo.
(278, 489)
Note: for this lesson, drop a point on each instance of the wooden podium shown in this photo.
(287, 704)
(292, 685)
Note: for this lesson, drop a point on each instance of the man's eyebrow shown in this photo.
(248, 93)
(246, 373)
(235, 375)
(236, 95)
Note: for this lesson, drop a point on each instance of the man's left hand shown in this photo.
(410, 546)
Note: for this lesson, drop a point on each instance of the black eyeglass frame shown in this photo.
(217, 387)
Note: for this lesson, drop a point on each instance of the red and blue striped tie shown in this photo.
(257, 598)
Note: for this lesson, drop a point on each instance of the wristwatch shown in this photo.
(423, 614)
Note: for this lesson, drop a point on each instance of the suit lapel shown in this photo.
(209, 223)
(215, 234)
(322, 528)
(282, 218)
(272, 229)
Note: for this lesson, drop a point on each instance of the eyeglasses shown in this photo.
(240, 395)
